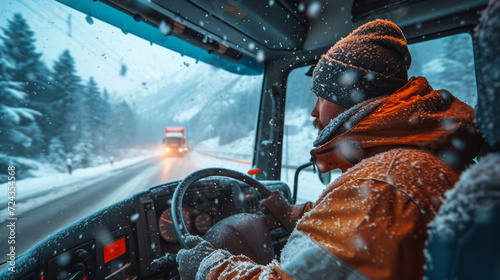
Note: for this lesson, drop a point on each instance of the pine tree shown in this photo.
(83, 150)
(65, 110)
(20, 53)
(124, 127)
(96, 104)
(56, 154)
(17, 123)
(88, 144)
(103, 112)
(23, 65)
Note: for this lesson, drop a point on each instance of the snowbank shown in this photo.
(241, 149)
(63, 183)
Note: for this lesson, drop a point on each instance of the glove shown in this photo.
(189, 259)
(287, 214)
(244, 234)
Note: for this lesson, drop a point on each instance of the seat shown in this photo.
(464, 238)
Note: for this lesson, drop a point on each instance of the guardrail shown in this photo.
(244, 158)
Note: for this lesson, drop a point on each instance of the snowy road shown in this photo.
(54, 208)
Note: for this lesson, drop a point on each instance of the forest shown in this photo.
(49, 114)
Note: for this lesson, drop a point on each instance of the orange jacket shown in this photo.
(414, 116)
(371, 221)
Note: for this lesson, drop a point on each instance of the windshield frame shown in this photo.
(141, 27)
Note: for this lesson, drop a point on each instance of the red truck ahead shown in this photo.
(175, 140)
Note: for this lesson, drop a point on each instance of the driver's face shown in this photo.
(324, 111)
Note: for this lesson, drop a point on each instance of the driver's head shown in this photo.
(324, 111)
(372, 61)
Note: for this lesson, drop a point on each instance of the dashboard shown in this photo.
(124, 240)
(210, 202)
(207, 202)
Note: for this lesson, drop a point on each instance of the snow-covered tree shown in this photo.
(123, 131)
(17, 122)
(100, 108)
(83, 150)
(22, 64)
(20, 54)
(56, 155)
(66, 88)
(90, 123)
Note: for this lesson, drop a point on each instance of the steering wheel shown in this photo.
(179, 225)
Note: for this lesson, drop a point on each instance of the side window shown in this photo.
(299, 135)
(447, 63)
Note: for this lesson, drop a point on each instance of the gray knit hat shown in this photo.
(372, 61)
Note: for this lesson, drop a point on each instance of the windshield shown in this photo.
(173, 140)
(84, 109)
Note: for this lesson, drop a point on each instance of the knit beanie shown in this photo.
(371, 61)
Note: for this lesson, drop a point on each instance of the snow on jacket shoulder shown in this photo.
(373, 218)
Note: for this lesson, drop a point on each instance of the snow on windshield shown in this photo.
(75, 89)
(84, 108)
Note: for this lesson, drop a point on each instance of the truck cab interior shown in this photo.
(275, 43)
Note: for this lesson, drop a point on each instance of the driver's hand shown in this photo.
(287, 214)
(189, 260)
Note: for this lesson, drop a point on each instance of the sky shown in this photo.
(99, 49)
